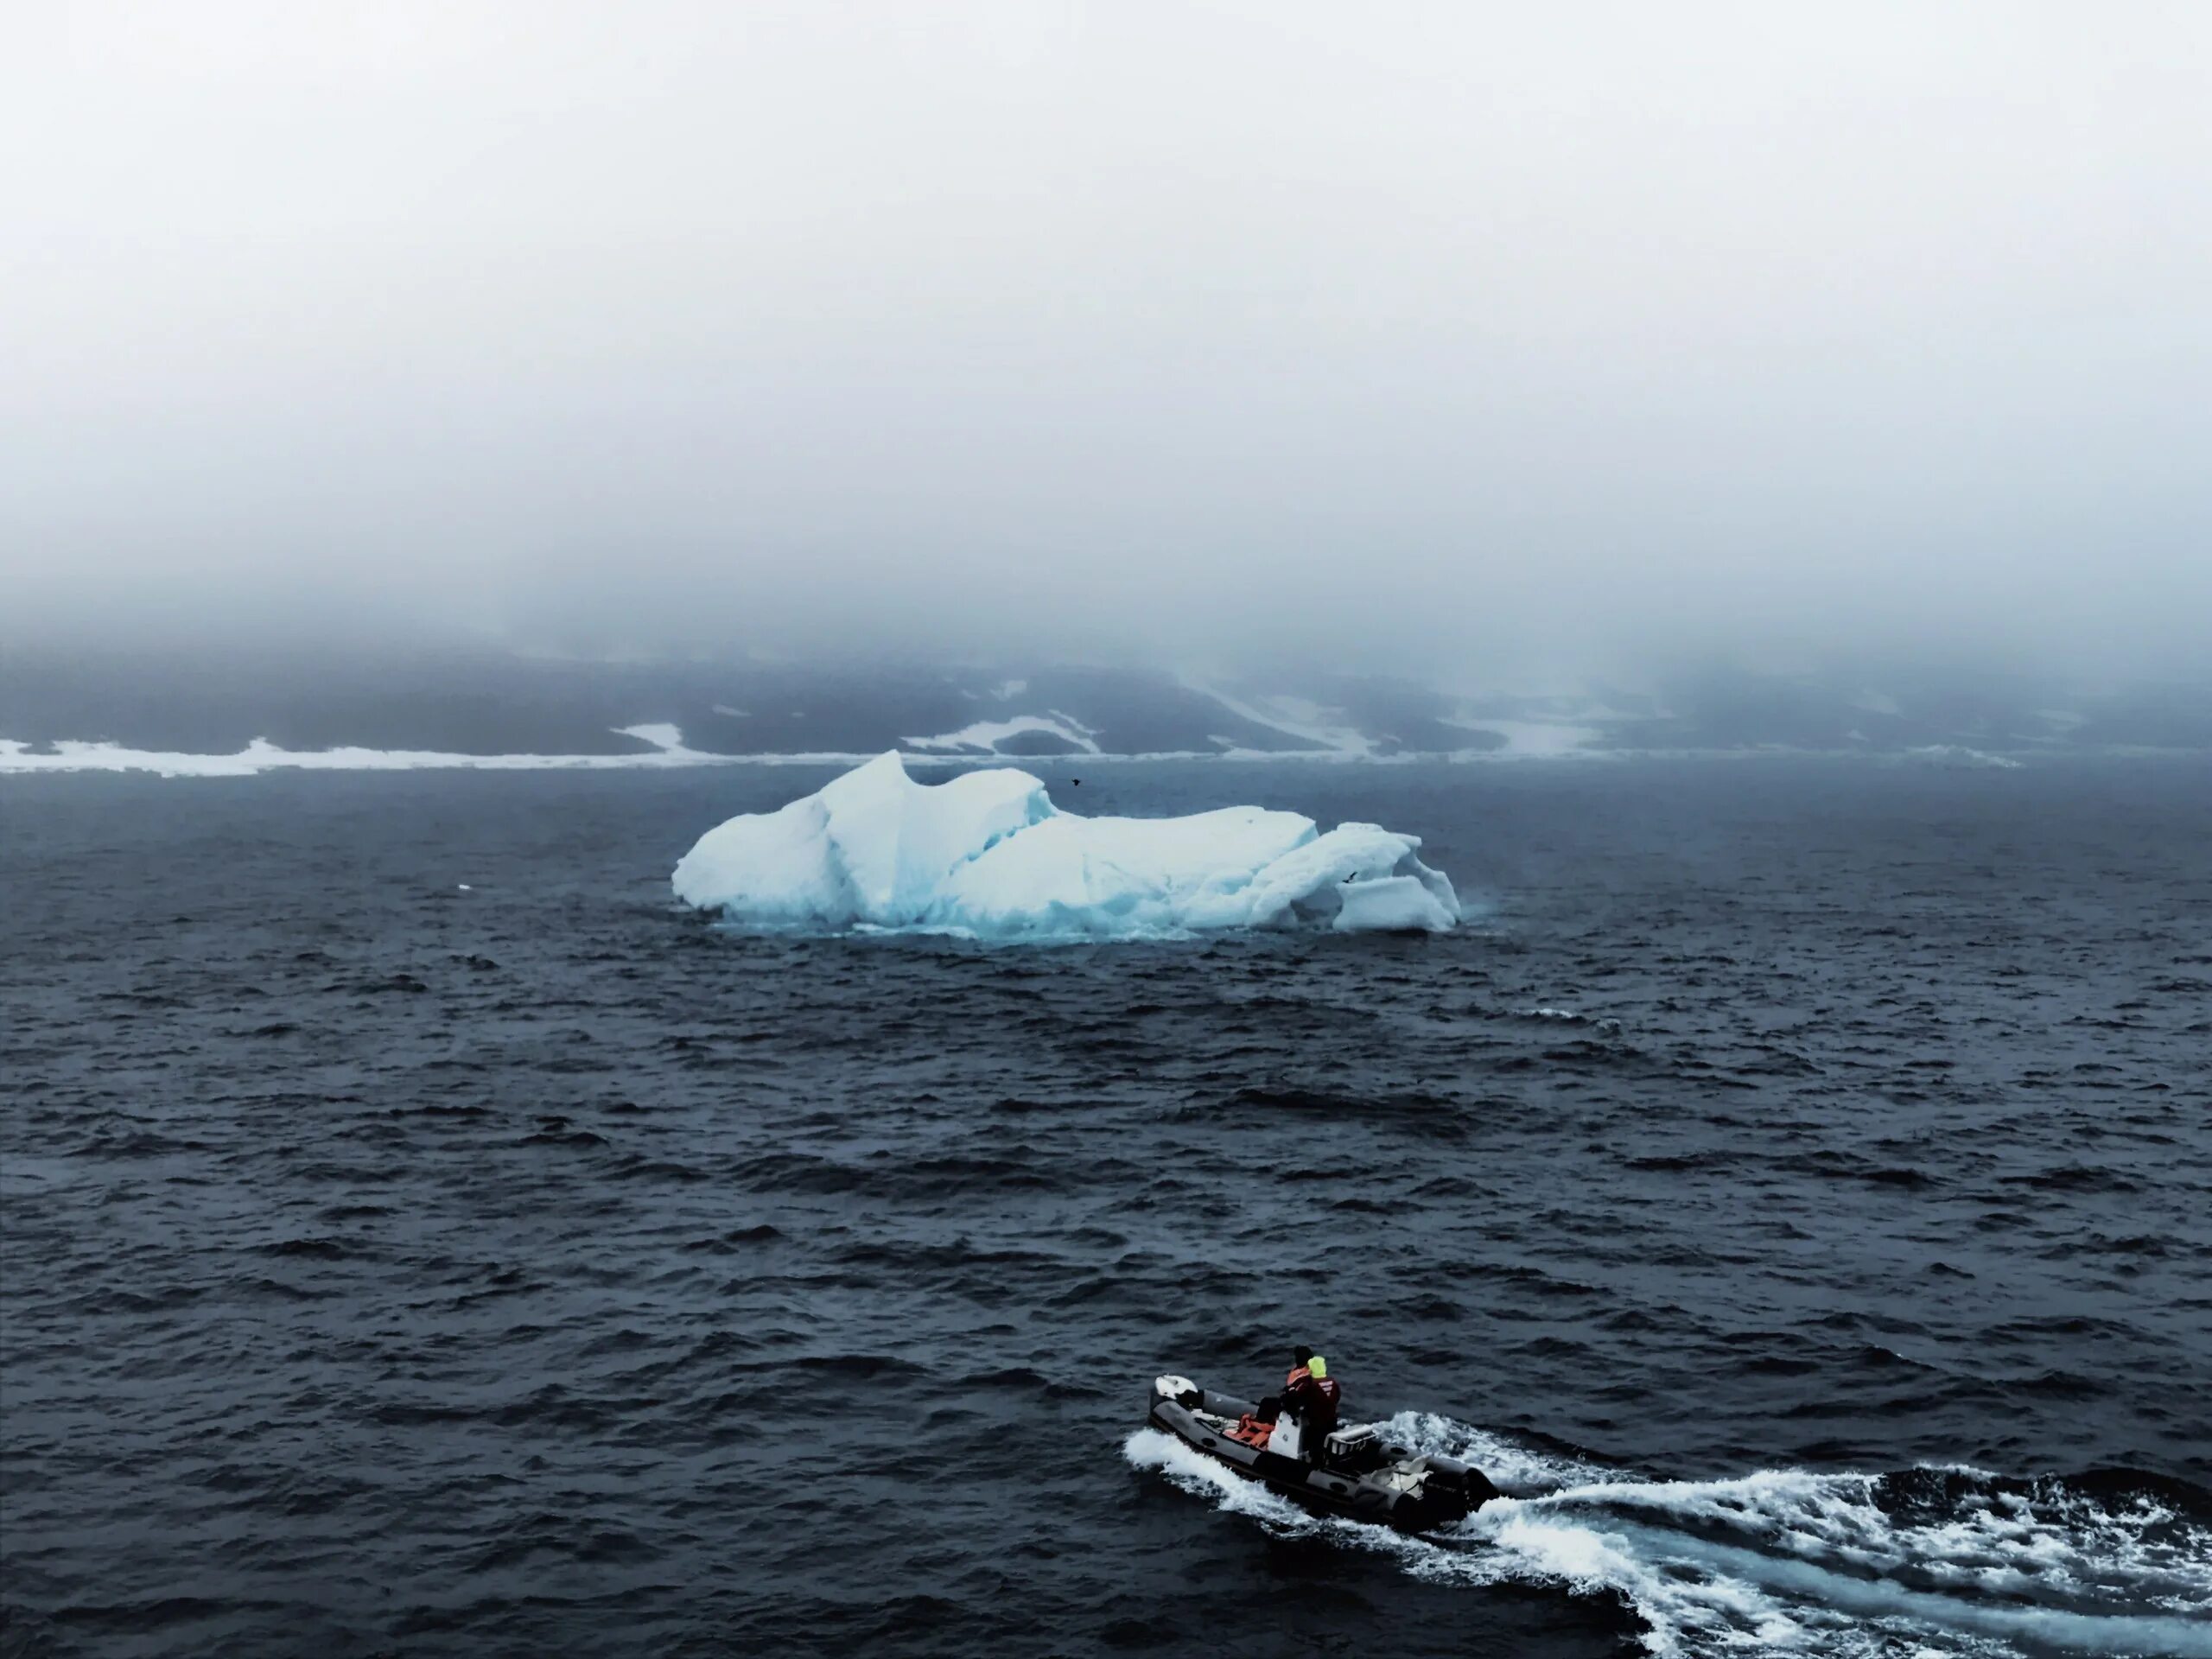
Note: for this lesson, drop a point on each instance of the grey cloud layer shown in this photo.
(1419, 334)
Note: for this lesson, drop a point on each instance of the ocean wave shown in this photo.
(1923, 1561)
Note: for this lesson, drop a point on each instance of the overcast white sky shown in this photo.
(1434, 335)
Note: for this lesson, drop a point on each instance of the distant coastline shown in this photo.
(221, 716)
(20, 759)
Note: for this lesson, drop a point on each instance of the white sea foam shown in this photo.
(1513, 1466)
(1784, 1561)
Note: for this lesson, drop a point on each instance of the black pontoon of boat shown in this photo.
(1357, 1473)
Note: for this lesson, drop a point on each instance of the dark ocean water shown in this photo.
(1796, 1188)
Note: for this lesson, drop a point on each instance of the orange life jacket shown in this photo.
(1314, 1399)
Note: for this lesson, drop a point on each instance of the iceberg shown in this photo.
(988, 854)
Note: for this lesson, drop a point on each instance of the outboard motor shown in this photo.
(1451, 1490)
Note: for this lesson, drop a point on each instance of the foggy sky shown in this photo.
(1445, 337)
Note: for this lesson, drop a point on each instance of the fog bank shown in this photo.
(1464, 341)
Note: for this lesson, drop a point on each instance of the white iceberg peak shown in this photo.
(987, 852)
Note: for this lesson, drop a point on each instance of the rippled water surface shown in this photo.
(1796, 1188)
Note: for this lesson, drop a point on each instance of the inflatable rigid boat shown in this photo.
(1357, 1473)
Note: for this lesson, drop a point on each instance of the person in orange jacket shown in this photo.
(1309, 1401)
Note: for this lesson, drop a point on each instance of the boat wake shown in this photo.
(1925, 1561)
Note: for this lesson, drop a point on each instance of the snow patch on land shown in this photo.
(1533, 737)
(1322, 727)
(261, 755)
(985, 736)
(1958, 756)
